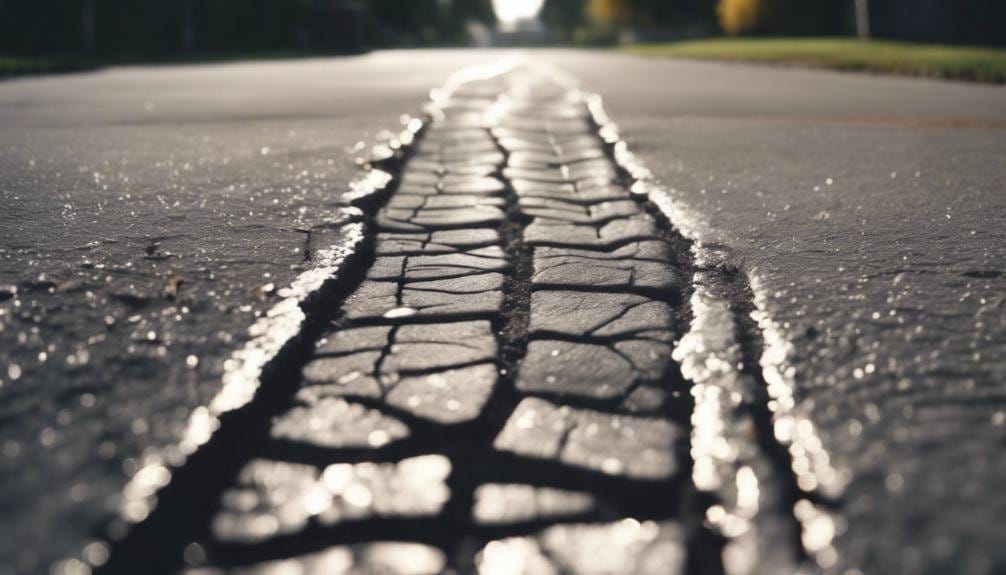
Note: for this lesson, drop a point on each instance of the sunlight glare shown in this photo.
(510, 11)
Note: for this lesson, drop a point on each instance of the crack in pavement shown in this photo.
(372, 434)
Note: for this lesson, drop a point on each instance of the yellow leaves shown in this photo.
(609, 12)
(738, 16)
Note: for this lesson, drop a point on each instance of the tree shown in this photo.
(564, 17)
(738, 16)
(460, 13)
(87, 26)
(784, 17)
(614, 13)
(863, 18)
(656, 19)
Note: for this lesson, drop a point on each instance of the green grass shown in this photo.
(954, 62)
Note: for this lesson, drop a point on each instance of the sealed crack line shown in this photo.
(510, 327)
(404, 414)
(490, 448)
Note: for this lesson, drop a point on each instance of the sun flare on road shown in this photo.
(510, 11)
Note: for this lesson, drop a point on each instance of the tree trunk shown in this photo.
(863, 19)
(87, 27)
(188, 27)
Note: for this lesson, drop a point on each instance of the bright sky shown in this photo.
(509, 11)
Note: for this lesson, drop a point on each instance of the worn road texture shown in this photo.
(510, 346)
(495, 392)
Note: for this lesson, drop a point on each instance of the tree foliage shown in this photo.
(955, 21)
(784, 17)
(738, 16)
(674, 17)
(650, 13)
(610, 12)
(803, 18)
(564, 17)
(154, 28)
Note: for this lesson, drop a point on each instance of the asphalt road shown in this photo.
(872, 213)
(151, 215)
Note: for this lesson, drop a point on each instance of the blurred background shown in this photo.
(145, 30)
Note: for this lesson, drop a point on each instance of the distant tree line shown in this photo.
(948, 21)
(145, 29)
(594, 20)
(951, 21)
(154, 28)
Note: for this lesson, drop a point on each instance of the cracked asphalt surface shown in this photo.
(492, 384)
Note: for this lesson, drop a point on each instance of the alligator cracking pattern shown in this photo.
(496, 393)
